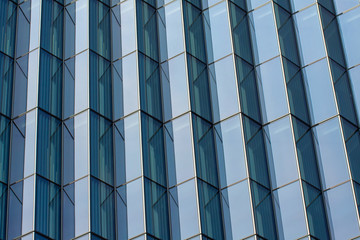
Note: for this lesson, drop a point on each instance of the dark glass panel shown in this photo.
(288, 42)
(68, 218)
(282, 16)
(353, 150)
(263, 210)
(68, 151)
(7, 27)
(315, 212)
(357, 194)
(102, 204)
(69, 29)
(50, 83)
(17, 153)
(285, 4)
(100, 85)
(153, 149)
(3, 209)
(150, 86)
(156, 210)
(306, 153)
(210, 211)
(47, 208)
(334, 43)
(147, 29)
(326, 16)
(6, 84)
(15, 210)
(101, 151)
(4, 148)
(328, 4)
(290, 69)
(345, 99)
(255, 149)
(199, 88)
(23, 30)
(100, 39)
(20, 86)
(52, 27)
(48, 163)
(206, 166)
(194, 33)
(336, 70)
(297, 98)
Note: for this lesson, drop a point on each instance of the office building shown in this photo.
(179, 119)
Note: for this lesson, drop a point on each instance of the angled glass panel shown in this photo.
(342, 212)
(50, 83)
(174, 34)
(290, 212)
(3, 209)
(7, 27)
(81, 144)
(332, 161)
(272, 83)
(6, 84)
(102, 206)
(128, 35)
(82, 206)
(354, 74)
(4, 148)
(101, 151)
(130, 84)
(23, 32)
(282, 147)
(307, 22)
(82, 82)
(320, 90)
(135, 208)
(48, 159)
(343, 5)
(47, 208)
(264, 33)
(82, 26)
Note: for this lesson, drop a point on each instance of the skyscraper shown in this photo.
(179, 119)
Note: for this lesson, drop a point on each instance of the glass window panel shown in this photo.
(128, 35)
(5, 127)
(265, 35)
(188, 211)
(20, 86)
(50, 83)
(274, 92)
(220, 32)
(82, 81)
(282, 147)
(3, 209)
(68, 152)
(174, 36)
(319, 86)
(6, 84)
(342, 212)
(81, 125)
(47, 208)
(101, 151)
(82, 26)
(102, 207)
(52, 27)
(82, 206)
(23, 34)
(30, 140)
(115, 32)
(343, 5)
(135, 210)
(226, 86)
(333, 166)
(132, 146)
(348, 22)
(251, 4)
(312, 48)
(48, 151)
(237, 199)
(184, 161)
(68, 217)
(178, 86)
(100, 39)
(300, 4)
(35, 24)
(69, 88)
(290, 212)
(17, 155)
(15, 211)
(117, 90)
(28, 205)
(233, 147)
(69, 28)
(130, 84)
(33, 77)
(355, 84)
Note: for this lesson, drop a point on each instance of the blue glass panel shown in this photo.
(174, 34)
(312, 48)
(15, 210)
(100, 85)
(135, 208)
(20, 86)
(210, 211)
(7, 27)
(3, 209)
(17, 153)
(68, 209)
(47, 208)
(156, 207)
(130, 84)
(343, 5)
(290, 212)
(23, 31)
(102, 206)
(100, 39)
(101, 151)
(69, 28)
(153, 149)
(81, 130)
(82, 206)
(82, 19)
(265, 35)
(52, 29)
(4, 148)
(6, 83)
(342, 212)
(128, 35)
(333, 166)
(50, 83)
(48, 161)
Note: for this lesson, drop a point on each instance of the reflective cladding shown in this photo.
(6, 84)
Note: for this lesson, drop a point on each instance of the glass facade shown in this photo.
(179, 119)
